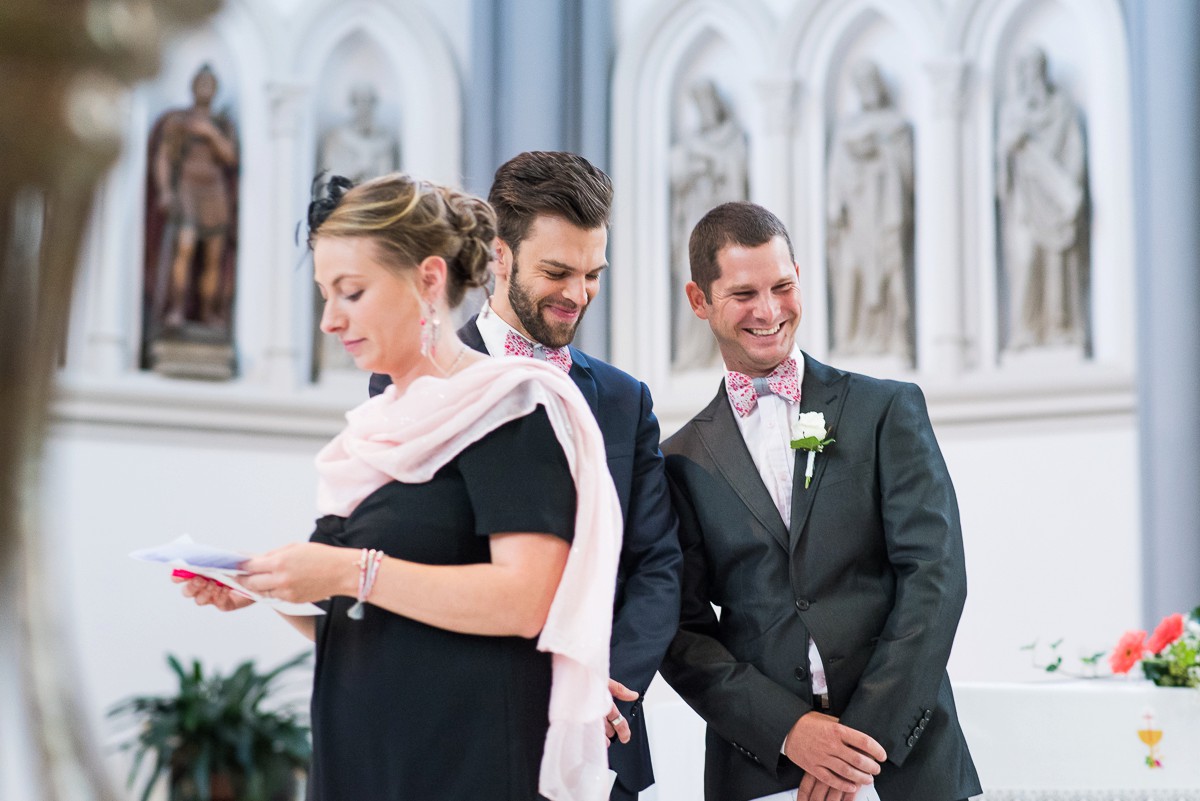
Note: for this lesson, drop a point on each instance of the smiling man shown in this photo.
(840, 591)
(552, 210)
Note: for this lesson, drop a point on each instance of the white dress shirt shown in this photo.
(494, 330)
(767, 432)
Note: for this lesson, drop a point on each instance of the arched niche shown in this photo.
(824, 42)
(406, 59)
(708, 164)
(406, 56)
(684, 43)
(109, 314)
(1087, 52)
(359, 60)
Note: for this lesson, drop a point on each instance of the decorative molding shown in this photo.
(148, 402)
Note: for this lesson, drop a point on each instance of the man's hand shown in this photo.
(615, 724)
(813, 790)
(838, 756)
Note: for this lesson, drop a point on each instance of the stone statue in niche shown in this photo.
(708, 167)
(358, 149)
(870, 224)
(191, 238)
(1042, 201)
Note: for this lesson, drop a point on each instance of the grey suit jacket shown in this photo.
(871, 568)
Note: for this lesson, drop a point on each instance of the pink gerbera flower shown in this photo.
(1128, 651)
(1170, 630)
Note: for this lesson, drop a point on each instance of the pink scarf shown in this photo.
(409, 437)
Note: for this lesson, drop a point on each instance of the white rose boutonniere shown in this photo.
(809, 434)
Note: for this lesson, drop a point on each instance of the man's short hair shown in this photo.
(552, 183)
(739, 223)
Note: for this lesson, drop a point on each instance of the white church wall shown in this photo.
(108, 490)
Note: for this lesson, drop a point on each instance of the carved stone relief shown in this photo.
(869, 230)
(708, 167)
(1042, 199)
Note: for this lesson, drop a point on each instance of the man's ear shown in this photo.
(799, 294)
(501, 264)
(699, 303)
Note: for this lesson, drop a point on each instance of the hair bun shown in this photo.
(476, 225)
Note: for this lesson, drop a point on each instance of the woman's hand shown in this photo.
(206, 592)
(303, 572)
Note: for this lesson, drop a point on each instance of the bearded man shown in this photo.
(552, 210)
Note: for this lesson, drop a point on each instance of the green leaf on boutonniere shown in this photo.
(811, 443)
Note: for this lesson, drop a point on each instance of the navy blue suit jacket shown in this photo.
(646, 609)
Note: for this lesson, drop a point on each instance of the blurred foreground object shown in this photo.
(67, 65)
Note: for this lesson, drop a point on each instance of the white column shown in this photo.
(1166, 69)
(771, 156)
(286, 349)
(940, 301)
(111, 277)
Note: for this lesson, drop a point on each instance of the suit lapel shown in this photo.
(581, 374)
(470, 335)
(581, 369)
(822, 390)
(722, 438)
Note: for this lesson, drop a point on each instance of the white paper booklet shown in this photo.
(220, 566)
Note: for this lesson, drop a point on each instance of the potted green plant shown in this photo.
(215, 739)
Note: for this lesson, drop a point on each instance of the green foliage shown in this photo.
(216, 726)
(1054, 663)
(811, 444)
(1177, 665)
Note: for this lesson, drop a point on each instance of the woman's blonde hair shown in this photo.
(411, 220)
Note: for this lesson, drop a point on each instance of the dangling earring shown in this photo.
(430, 325)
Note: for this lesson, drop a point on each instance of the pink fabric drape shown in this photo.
(408, 437)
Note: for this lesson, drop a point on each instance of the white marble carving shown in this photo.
(708, 167)
(360, 148)
(870, 224)
(1042, 198)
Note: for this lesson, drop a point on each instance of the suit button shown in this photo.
(802, 605)
(911, 741)
(928, 715)
(801, 674)
(918, 733)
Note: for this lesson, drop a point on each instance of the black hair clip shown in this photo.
(326, 195)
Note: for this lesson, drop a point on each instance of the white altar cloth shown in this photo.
(1081, 735)
(1037, 741)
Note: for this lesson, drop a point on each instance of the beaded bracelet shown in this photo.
(368, 568)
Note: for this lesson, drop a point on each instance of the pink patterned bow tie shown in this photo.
(743, 390)
(517, 345)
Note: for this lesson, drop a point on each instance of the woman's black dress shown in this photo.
(402, 710)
